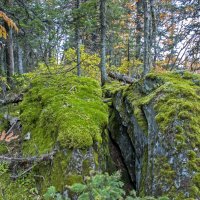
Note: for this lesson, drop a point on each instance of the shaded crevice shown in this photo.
(123, 152)
(120, 164)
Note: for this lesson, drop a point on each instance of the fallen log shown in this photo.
(43, 157)
(121, 77)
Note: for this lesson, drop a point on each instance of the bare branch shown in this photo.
(43, 157)
(121, 77)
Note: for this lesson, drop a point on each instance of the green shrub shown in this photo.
(100, 187)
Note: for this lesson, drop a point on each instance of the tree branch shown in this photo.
(43, 157)
(120, 77)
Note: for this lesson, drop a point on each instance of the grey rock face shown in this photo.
(160, 150)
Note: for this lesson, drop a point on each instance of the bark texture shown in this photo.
(147, 31)
(103, 41)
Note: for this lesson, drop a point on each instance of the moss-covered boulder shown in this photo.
(68, 110)
(64, 114)
(160, 115)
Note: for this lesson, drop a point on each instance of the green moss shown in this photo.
(72, 179)
(195, 188)
(3, 148)
(11, 110)
(179, 130)
(22, 188)
(177, 98)
(110, 88)
(52, 173)
(63, 109)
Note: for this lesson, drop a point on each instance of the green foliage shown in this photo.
(21, 82)
(3, 168)
(100, 186)
(89, 65)
(129, 67)
(104, 187)
(22, 188)
(86, 16)
(89, 62)
(52, 194)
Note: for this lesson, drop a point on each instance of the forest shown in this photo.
(99, 99)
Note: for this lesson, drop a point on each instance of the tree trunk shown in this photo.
(110, 50)
(78, 43)
(154, 30)
(2, 62)
(129, 57)
(20, 62)
(9, 55)
(147, 50)
(103, 41)
(138, 30)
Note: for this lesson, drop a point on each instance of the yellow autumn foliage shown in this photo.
(89, 62)
(9, 22)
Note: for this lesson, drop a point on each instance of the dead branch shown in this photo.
(120, 77)
(43, 157)
(23, 173)
(11, 128)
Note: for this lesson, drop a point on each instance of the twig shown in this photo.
(11, 127)
(23, 173)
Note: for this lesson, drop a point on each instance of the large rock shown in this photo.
(158, 133)
(64, 114)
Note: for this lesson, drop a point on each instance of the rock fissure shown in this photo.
(154, 123)
(120, 164)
